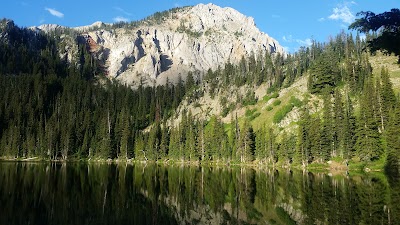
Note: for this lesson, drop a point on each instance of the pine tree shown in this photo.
(393, 142)
(271, 146)
(303, 154)
(322, 75)
(388, 97)
(290, 141)
(152, 144)
(327, 130)
(174, 145)
(232, 137)
(184, 127)
(261, 145)
(105, 148)
(338, 125)
(368, 146)
(164, 143)
(215, 139)
(315, 136)
(125, 140)
(140, 144)
(379, 113)
(349, 130)
(235, 137)
(189, 82)
(246, 143)
(201, 141)
(190, 142)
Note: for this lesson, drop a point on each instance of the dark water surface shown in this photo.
(81, 193)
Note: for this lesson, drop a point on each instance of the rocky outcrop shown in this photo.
(5, 27)
(191, 39)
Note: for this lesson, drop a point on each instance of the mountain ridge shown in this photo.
(168, 45)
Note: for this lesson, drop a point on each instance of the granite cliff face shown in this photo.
(189, 39)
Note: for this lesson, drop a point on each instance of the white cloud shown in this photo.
(122, 10)
(322, 19)
(342, 12)
(306, 42)
(177, 5)
(290, 39)
(55, 12)
(286, 48)
(120, 19)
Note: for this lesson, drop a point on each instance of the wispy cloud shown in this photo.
(322, 19)
(290, 39)
(306, 42)
(55, 12)
(275, 16)
(176, 4)
(119, 9)
(342, 12)
(286, 48)
(120, 19)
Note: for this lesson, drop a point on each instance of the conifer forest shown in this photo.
(54, 110)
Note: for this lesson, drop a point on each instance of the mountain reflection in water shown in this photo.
(87, 193)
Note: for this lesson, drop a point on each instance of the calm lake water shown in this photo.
(81, 193)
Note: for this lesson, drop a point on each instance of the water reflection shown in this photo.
(80, 193)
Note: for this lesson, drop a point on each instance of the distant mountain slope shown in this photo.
(171, 43)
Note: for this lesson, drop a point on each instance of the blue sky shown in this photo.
(293, 23)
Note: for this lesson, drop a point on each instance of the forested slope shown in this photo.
(349, 112)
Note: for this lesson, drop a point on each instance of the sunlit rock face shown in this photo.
(188, 39)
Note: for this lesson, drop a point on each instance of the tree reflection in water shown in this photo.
(82, 193)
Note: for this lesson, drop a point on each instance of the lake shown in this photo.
(101, 193)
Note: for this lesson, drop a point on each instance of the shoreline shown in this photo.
(327, 167)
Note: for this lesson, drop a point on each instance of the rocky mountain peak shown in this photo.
(215, 17)
(6, 24)
(48, 27)
(97, 24)
(187, 39)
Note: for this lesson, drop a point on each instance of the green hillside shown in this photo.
(328, 105)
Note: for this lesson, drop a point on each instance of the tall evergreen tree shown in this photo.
(338, 125)
(303, 155)
(233, 137)
(174, 144)
(246, 144)
(261, 144)
(327, 129)
(388, 97)
(368, 145)
(271, 146)
(349, 129)
(393, 142)
(190, 142)
(315, 139)
(164, 143)
(323, 76)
